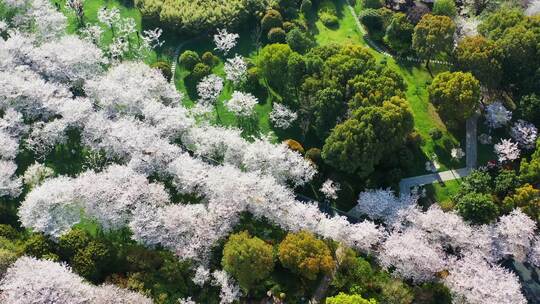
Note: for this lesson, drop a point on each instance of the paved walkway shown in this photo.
(177, 53)
(471, 155)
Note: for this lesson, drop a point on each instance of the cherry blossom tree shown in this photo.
(235, 69)
(27, 93)
(381, 204)
(447, 230)
(466, 27)
(525, 134)
(242, 104)
(534, 255)
(83, 61)
(330, 189)
(225, 41)
(109, 197)
(10, 185)
(187, 300)
(109, 16)
(281, 116)
(92, 33)
(129, 87)
(227, 145)
(474, 280)
(45, 136)
(40, 17)
(533, 8)
(30, 280)
(457, 153)
(202, 275)
(411, 256)
(497, 115)
(36, 174)
(507, 150)
(151, 38)
(209, 89)
(514, 234)
(230, 292)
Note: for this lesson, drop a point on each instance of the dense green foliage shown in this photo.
(512, 43)
(433, 35)
(196, 16)
(248, 259)
(445, 8)
(399, 34)
(455, 95)
(478, 55)
(477, 208)
(349, 299)
(361, 142)
(305, 255)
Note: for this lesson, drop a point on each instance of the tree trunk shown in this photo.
(428, 67)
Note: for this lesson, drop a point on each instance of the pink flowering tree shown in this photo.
(225, 41)
(507, 150)
(30, 280)
(525, 134)
(497, 115)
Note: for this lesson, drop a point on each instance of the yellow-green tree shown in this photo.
(527, 198)
(305, 255)
(478, 55)
(343, 298)
(248, 259)
(432, 36)
(455, 95)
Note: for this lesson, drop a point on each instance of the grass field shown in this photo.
(442, 192)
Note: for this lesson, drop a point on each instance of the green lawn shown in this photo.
(442, 193)
(346, 32)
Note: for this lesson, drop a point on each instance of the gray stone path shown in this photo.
(177, 53)
(471, 155)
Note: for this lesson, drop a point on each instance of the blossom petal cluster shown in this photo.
(30, 280)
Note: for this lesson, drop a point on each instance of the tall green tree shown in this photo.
(328, 108)
(455, 95)
(342, 298)
(432, 36)
(374, 87)
(360, 143)
(478, 55)
(248, 259)
(305, 255)
(399, 34)
(272, 61)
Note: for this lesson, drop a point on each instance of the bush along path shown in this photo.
(372, 44)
